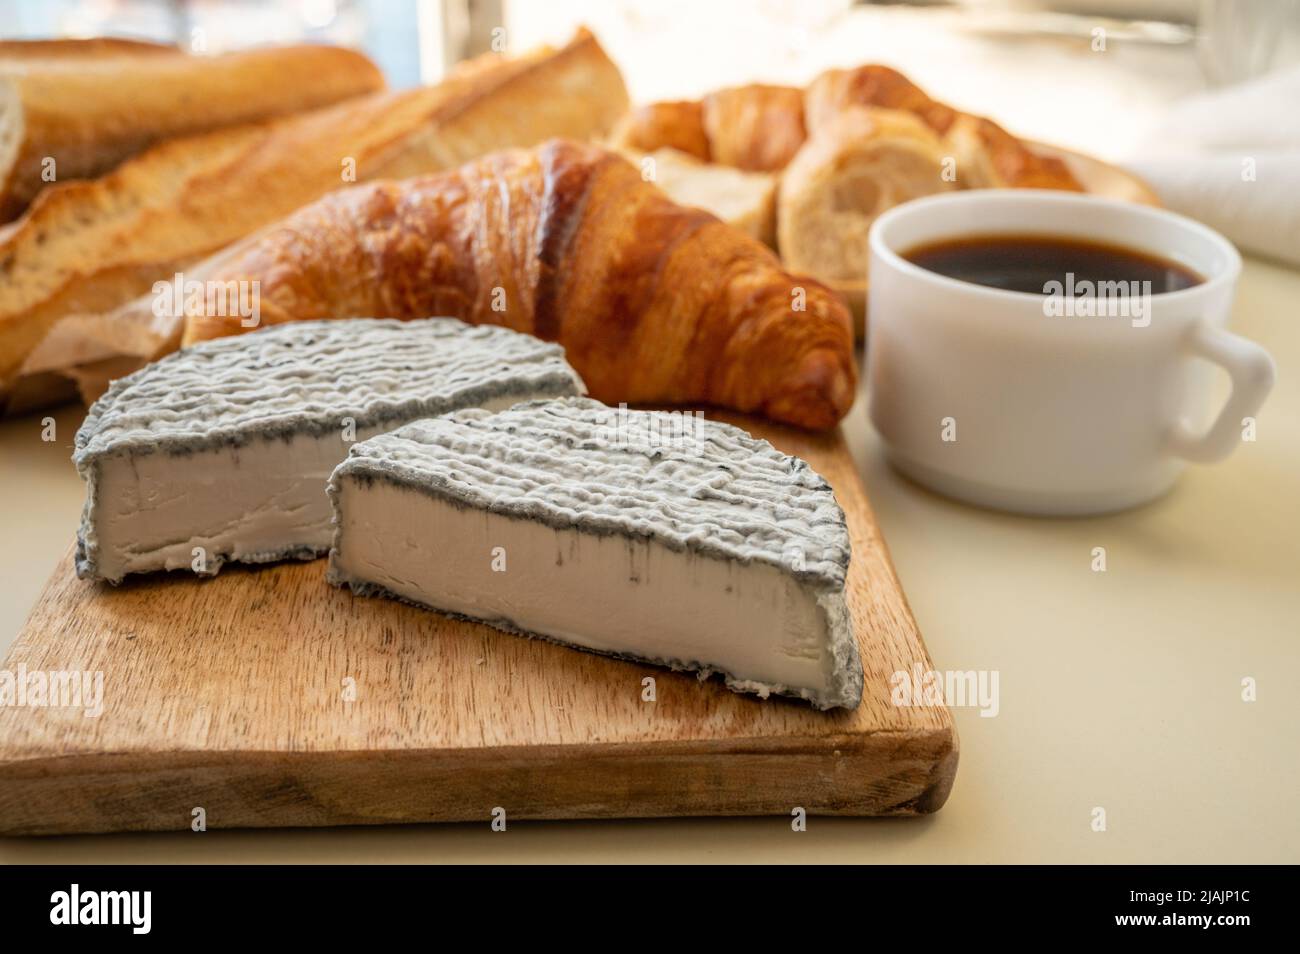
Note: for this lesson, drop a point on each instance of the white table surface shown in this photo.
(1119, 690)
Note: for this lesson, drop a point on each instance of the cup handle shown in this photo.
(1252, 372)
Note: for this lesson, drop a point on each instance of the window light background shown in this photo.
(1026, 63)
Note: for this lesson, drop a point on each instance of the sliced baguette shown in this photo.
(854, 168)
(72, 111)
(85, 248)
(856, 165)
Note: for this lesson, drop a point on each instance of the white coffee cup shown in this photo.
(981, 395)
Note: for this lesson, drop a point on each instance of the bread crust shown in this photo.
(77, 48)
(833, 91)
(757, 128)
(667, 125)
(987, 155)
(859, 164)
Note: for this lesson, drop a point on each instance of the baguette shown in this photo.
(87, 247)
(653, 302)
(88, 107)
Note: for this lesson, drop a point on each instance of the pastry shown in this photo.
(653, 302)
(755, 127)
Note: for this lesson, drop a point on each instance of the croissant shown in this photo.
(757, 128)
(676, 124)
(754, 127)
(654, 303)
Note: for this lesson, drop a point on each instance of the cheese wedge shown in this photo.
(653, 536)
(221, 452)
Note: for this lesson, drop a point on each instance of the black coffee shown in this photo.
(1031, 263)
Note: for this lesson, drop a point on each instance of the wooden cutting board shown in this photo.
(228, 694)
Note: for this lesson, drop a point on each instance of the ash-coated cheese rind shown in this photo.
(308, 375)
(224, 448)
(713, 552)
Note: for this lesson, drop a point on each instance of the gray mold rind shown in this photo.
(730, 495)
(475, 460)
(305, 378)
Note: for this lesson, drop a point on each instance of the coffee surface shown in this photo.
(1030, 263)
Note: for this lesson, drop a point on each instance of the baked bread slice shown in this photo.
(654, 303)
(78, 48)
(75, 110)
(746, 200)
(856, 166)
(86, 247)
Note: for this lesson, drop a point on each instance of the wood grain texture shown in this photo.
(227, 694)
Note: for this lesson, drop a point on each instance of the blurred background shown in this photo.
(1088, 74)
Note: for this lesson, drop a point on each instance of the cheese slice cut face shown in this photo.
(221, 452)
(653, 536)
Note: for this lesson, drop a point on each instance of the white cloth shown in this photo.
(1231, 159)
